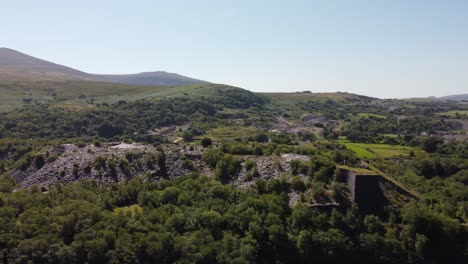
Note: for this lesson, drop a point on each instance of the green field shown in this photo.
(371, 151)
(231, 132)
(361, 152)
(291, 102)
(454, 112)
(75, 95)
(367, 115)
(360, 171)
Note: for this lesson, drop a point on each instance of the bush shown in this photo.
(212, 156)
(340, 192)
(295, 164)
(124, 165)
(206, 142)
(25, 161)
(188, 164)
(7, 184)
(258, 151)
(227, 168)
(52, 158)
(249, 165)
(298, 184)
(150, 161)
(87, 169)
(432, 144)
(100, 162)
(319, 194)
(261, 138)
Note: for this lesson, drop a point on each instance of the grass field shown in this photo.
(232, 132)
(371, 151)
(453, 113)
(360, 171)
(390, 135)
(367, 115)
(360, 151)
(76, 94)
(291, 102)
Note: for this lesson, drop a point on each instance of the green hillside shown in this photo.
(215, 172)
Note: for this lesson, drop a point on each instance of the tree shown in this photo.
(107, 130)
(340, 192)
(298, 184)
(206, 142)
(227, 168)
(432, 144)
(261, 138)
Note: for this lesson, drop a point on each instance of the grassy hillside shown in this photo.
(80, 93)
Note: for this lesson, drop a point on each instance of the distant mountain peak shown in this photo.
(19, 66)
(455, 97)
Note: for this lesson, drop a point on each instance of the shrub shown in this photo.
(298, 184)
(150, 161)
(319, 194)
(100, 162)
(52, 158)
(87, 169)
(295, 164)
(261, 138)
(227, 168)
(206, 142)
(249, 165)
(212, 156)
(124, 165)
(188, 164)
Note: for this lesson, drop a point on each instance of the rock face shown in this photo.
(309, 124)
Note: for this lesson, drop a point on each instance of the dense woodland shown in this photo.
(201, 219)
(198, 219)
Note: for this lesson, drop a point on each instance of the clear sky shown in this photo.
(382, 48)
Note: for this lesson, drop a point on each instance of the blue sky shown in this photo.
(387, 49)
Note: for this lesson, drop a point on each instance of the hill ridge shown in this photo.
(20, 66)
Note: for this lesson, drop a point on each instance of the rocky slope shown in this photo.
(118, 162)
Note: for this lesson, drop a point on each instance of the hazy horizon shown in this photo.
(395, 49)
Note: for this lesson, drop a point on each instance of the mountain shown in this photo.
(15, 65)
(455, 97)
(158, 78)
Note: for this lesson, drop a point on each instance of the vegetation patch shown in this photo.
(360, 151)
(360, 171)
(367, 115)
(454, 113)
(232, 132)
(365, 150)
